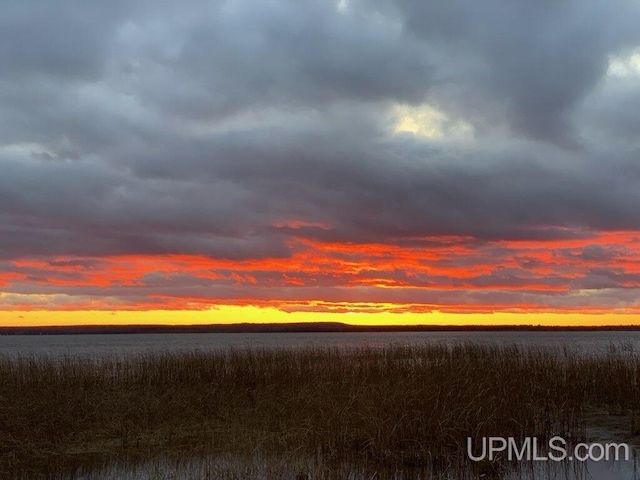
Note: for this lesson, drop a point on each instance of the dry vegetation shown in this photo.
(393, 408)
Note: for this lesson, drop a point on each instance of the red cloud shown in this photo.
(592, 274)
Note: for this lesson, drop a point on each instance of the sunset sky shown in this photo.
(380, 161)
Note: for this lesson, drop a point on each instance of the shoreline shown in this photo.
(315, 327)
(398, 407)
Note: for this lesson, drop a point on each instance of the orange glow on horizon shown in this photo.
(453, 279)
(231, 314)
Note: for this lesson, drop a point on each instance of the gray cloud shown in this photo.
(536, 60)
(238, 130)
(68, 39)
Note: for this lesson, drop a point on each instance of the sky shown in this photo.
(379, 161)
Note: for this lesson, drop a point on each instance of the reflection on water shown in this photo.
(136, 344)
(257, 468)
(604, 470)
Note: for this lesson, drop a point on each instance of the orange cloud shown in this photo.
(597, 273)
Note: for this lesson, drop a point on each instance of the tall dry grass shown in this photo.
(395, 407)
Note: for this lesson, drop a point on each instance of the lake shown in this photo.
(131, 345)
(588, 342)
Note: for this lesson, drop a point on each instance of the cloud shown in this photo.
(536, 61)
(247, 134)
(66, 39)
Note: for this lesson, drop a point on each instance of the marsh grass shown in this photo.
(393, 408)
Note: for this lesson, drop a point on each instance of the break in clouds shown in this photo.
(399, 155)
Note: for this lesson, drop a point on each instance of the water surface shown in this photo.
(597, 343)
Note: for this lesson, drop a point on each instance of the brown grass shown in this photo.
(396, 407)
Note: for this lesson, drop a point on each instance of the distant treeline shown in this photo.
(293, 327)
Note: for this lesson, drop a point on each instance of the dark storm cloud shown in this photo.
(290, 54)
(613, 115)
(236, 129)
(225, 198)
(537, 60)
(64, 38)
(356, 190)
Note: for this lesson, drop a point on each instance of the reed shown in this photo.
(395, 407)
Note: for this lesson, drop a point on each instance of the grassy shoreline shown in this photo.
(396, 407)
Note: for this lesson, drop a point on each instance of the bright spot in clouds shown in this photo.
(428, 122)
(624, 66)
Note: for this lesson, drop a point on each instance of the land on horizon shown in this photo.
(293, 327)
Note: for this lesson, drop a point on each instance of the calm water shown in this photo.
(261, 469)
(135, 344)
